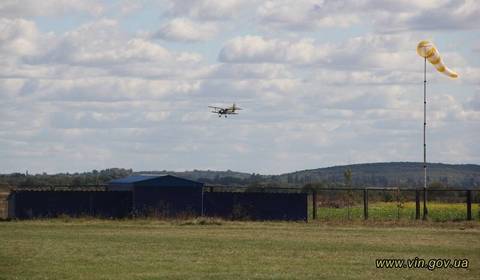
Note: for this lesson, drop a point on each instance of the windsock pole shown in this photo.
(426, 50)
(425, 210)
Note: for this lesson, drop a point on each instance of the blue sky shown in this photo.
(96, 84)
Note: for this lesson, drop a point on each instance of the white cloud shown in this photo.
(18, 37)
(249, 71)
(363, 52)
(206, 9)
(106, 89)
(183, 29)
(437, 15)
(32, 8)
(101, 43)
(305, 14)
(127, 7)
(370, 58)
(100, 48)
(103, 93)
(386, 16)
(256, 49)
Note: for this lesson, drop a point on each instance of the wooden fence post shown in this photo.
(469, 205)
(417, 204)
(365, 204)
(314, 204)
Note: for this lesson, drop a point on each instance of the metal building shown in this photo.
(154, 196)
(161, 196)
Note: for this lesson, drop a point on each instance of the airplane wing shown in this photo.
(215, 108)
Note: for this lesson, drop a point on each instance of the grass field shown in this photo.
(212, 249)
(438, 211)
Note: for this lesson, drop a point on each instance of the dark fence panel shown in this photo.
(35, 204)
(256, 206)
(247, 204)
(167, 201)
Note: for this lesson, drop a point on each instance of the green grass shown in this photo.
(212, 249)
(438, 211)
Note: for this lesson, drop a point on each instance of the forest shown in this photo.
(391, 174)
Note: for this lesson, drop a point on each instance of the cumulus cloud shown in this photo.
(99, 48)
(32, 8)
(370, 51)
(249, 71)
(127, 7)
(183, 29)
(386, 16)
(101, 42)
(206, 9)
(18, 37)
(435, 15)
(256, 49)
(306, 14)
(103, 92)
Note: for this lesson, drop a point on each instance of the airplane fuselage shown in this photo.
(225, 111)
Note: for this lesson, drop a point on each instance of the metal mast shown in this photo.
(425, 210)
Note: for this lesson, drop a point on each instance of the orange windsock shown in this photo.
(427, 50)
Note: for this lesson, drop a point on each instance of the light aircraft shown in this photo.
(225, 111)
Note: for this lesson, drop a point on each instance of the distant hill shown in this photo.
(398, 174)
(387, 174)
(392, 174)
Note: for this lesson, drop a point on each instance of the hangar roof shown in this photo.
(128, 183)
(135, 179)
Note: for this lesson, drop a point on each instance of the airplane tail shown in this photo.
(234, 107)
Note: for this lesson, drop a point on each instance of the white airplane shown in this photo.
(225, 111)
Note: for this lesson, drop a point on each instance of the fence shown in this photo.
(394, 204)
(255, 203)
(215, 201)
(80, 202)
(266, 203)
